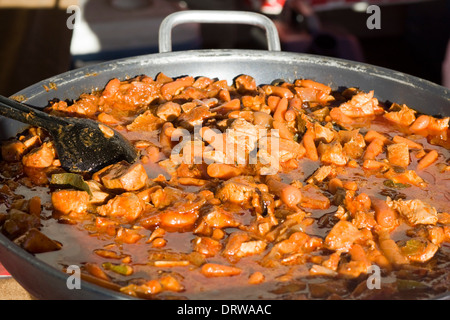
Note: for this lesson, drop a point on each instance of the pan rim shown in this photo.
(153, 59)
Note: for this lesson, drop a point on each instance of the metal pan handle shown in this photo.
(217, 16)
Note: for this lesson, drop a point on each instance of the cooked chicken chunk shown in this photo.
(214, 217)
(125, 206)
(398, 154)
(70, 201)
(41, 157)
(332, 154)
(414, 211)
(195, 116)
(168, 111)
(124, 176)
(342, 236)
(146, 122)
(13, 150)
(238, 189)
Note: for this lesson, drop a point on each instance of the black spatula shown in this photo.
(82, 145)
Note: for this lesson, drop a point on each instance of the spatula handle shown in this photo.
(12, 109)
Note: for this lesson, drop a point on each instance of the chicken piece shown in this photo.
(398, 154)
(235, 240)
(181, 215)
(321, 174)
(131, 95)
(243, 134)
(313, 198)
(86, 106)
(358, 111)
(99, 195)
(353, 143)
(245, 83)
(294, 244)
(414, 211)
(170, 89)
(41, 157)
(207, 246)
(353, 150)
(237, 189)
(236, 143)
(126, 206)
(401, 115)
(168, 111)
(361, 105)
(13, 150)
(323, 133)
(146, 122)
(123, 176)
(70, 202)
(273, 151)
(195, 116)
(332, 154)
(214, 217)
(344, 136)
(342, 236)
(162, 198)
(249, 248)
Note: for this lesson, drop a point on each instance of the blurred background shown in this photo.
(42, 38)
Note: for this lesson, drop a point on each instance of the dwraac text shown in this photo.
(225, 309)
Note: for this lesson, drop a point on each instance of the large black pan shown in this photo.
(46, 282)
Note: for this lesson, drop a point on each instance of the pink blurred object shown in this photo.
(272, 7)
(3, 272)
(269, 7)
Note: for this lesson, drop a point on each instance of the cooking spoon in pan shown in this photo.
(82, 145)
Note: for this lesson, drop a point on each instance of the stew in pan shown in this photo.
(242, 191)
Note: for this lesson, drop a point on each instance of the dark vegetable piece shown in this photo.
(395, 185)
(70, 180)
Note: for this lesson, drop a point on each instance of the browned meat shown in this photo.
(332, 153)
(13, 150)
(398, 154)
(34, 241)
(342, 236)
(214, 217)
(146, 122)
(237, 189)
(415, 211)
(168, 111)
(123, 176)
(41, 157)
(401, 115)
(195, 116)
(71, 202)
(126, 206)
